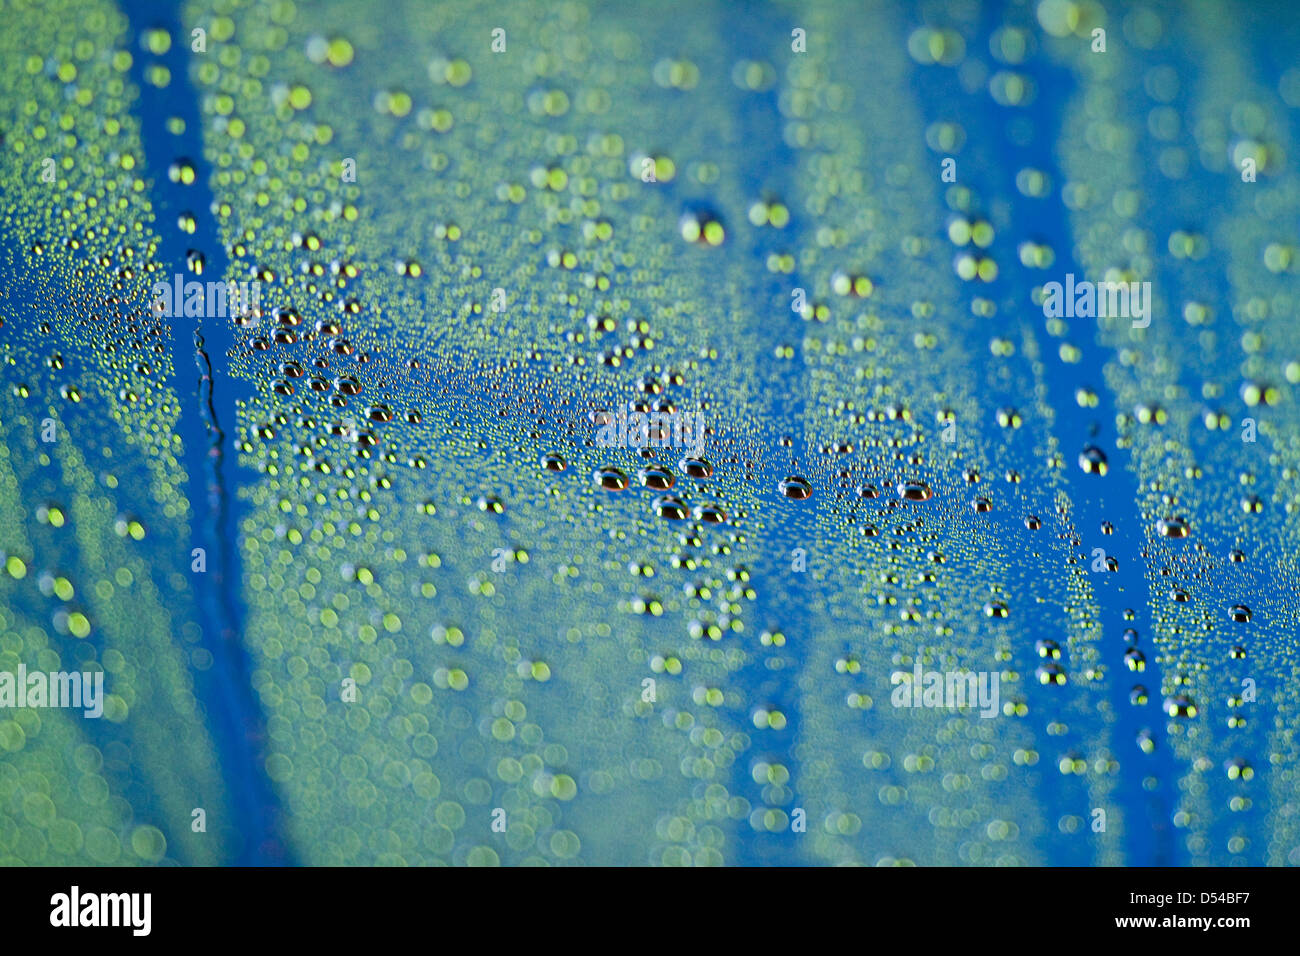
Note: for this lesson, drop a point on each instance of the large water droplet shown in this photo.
(609, 478)
(710, 514)
(795, 487)
(696, 467)
(657, 477)
(914, 491)
(674, 509)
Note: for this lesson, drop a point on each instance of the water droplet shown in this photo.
(914, 491)
(696, 467)
(1238, 769)
(674, 509)
(702, 227)
(1173, 527)
(1150, 414)
(609, 478)
(710, 514)
(1092, 461)
(1051, 674)
(657, 477)
(182, 171)
(795, 487)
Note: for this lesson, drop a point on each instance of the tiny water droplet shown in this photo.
(1092, 461)
(1051, 674)
(1173, 527)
